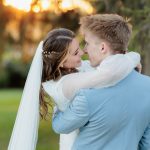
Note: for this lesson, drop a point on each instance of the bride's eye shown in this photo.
(76, 52)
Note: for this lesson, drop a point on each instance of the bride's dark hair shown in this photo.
(55, 49)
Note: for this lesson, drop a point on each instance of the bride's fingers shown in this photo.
(139, 67)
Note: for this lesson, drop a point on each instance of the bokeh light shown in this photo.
(50, 5)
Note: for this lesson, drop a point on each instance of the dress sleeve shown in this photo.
(112, 70)
(74, 117)
(54, 89)
(85, 66)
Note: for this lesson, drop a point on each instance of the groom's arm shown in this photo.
(144, 143)
(74, 117)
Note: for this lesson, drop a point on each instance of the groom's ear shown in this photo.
(103, 48)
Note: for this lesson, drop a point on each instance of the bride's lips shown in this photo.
(79, 61)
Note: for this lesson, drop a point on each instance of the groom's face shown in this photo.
(94, 48)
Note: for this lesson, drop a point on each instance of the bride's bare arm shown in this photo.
(112, 70)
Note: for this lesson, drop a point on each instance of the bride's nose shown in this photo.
(85, 51)
(81, 52)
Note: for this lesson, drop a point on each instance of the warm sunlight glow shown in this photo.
(66, 5)
(36, 8)
(22, 4)
(45, 4)
(51, 5)
(84, 6)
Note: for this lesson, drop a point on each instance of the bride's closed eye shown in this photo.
(76, 52)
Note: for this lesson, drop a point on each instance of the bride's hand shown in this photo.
(139, 67)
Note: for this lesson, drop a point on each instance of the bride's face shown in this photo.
(73, 58)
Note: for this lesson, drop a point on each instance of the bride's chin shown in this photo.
(79, 64)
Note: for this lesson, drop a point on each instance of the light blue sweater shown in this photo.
(114, 118)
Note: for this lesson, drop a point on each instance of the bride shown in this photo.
(58, 70)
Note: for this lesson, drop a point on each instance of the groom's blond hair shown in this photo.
(109, 27)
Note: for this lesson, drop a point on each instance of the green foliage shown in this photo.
(9, 103)
(13, 71)
(4, 77)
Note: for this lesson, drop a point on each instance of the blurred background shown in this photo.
(24, 23)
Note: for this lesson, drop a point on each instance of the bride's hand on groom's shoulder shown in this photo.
(139, 68)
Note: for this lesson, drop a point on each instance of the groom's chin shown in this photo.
(92, 64)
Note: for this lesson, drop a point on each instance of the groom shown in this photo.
(114, 118)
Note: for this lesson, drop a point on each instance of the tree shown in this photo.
(139, 12)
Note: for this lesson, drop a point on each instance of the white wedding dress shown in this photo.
(112, 70)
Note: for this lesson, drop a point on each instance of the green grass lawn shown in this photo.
(9, 102)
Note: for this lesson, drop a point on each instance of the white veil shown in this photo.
(25, 131)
